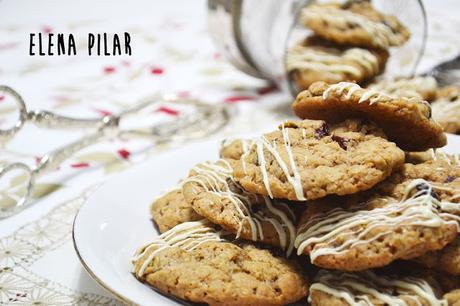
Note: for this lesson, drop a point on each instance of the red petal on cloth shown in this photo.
(236, 99)
(126, 63)
(109, 69)
(265, 90)
(80, 165)
(167, 110)
(2, 97)
(47, 29)
(124, 153)
(156, 70)
(216, 55)
(102, 112)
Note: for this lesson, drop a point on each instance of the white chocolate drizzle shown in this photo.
(264, 146)
(217, 178)
(418, 207)
(347, 88)
(381, 34)
(187, 236)
(360, 289)
(309, 58)
(371, 96)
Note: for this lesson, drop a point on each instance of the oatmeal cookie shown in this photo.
(214, 194)
(310, 159)
(413, 212)
(193, 262)
(317, 60)
(406, 121)
(354, 23)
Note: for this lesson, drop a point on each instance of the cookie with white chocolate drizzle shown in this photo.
(318, 60)
(310, 159)
(415, 211)
(193, 262)
(369, 288)
(214, 194)
(354, 23)
(406, 121)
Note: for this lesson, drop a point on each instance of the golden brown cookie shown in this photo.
(335, 288)
(192, 262)
(234, 148)
(405, 121)
(171, 209)
(317, 60)
(354, 23)
(310, 159)
(413, 212)
(213, 193)
(419, 87)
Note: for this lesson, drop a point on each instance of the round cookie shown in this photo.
(334, 288)
(234, 148)
(355, 24)
(415, 211)
(306, 160)
(193, 262)
(171, 209)
(419, 87)
(317, 60)
(213, 193)
(406, 121)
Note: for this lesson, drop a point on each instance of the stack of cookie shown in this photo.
(350, 206)
(350, 42)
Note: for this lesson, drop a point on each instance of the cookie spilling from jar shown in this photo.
(349, 42)
(335, 208)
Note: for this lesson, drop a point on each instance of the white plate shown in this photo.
(115, 220)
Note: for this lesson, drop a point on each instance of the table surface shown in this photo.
(172, 54)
